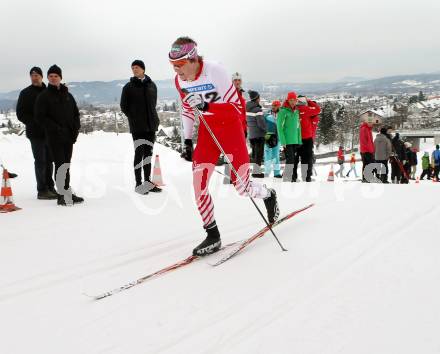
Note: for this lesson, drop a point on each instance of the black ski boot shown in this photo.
(64, 201)
(212, 242)
(271, 204)
(76, 199)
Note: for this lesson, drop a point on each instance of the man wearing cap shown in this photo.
(206, 87)
(56, 111)
(138, 102)
(35, 133)
(289, 132)
(256, 126)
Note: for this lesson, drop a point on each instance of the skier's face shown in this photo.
(185, 69)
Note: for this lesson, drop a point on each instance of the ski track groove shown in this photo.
(91, 267)
(278, 310)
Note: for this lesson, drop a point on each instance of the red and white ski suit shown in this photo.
(224, 117)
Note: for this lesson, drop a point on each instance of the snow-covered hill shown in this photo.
(361, 274)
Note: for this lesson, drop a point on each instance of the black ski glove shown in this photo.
(188, 151)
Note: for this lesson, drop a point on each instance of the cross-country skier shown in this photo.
(208, 87)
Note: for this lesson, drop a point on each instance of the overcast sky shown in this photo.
(272, 40)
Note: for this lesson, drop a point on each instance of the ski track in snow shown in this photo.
(354, 256)
(358, 259)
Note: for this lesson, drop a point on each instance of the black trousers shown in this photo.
(143, 152)
(43, 164)
(396, 173)
(426, 172)
(367, 158)
(305, 153)
(257, 154)
(62, 154)
(290, 151)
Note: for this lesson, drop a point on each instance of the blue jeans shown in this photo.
(272, 160)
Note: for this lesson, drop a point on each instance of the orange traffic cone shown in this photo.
(331, 175)
(157, 173)
(6, 201)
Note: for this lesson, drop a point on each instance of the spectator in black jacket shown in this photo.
(138, 102)
(25, 113)
(56, 111)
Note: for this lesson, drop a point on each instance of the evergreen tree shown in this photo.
(326, 131)
(421, 96)
(341, 125)
(413, 99)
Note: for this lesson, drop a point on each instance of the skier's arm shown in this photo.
(187, 113)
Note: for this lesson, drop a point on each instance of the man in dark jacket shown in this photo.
(56, 111)
(35, 133)
(138, 102)
(256, 127)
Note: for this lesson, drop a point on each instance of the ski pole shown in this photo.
(214, 138)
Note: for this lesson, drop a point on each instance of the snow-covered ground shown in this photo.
(361, 274)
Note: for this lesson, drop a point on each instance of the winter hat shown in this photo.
(292, 96)
(276, 103)
(383, 130)
(236, 76)
(55, 69)
(36, 70)
(139, 63)
(253, 95)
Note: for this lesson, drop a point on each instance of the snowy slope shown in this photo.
(361, 274)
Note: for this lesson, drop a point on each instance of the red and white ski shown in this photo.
(243, 244)
(184, 262)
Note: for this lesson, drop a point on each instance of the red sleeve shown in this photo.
(314, 108)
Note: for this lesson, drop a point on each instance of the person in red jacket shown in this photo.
(366, 146)
(309, 116)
